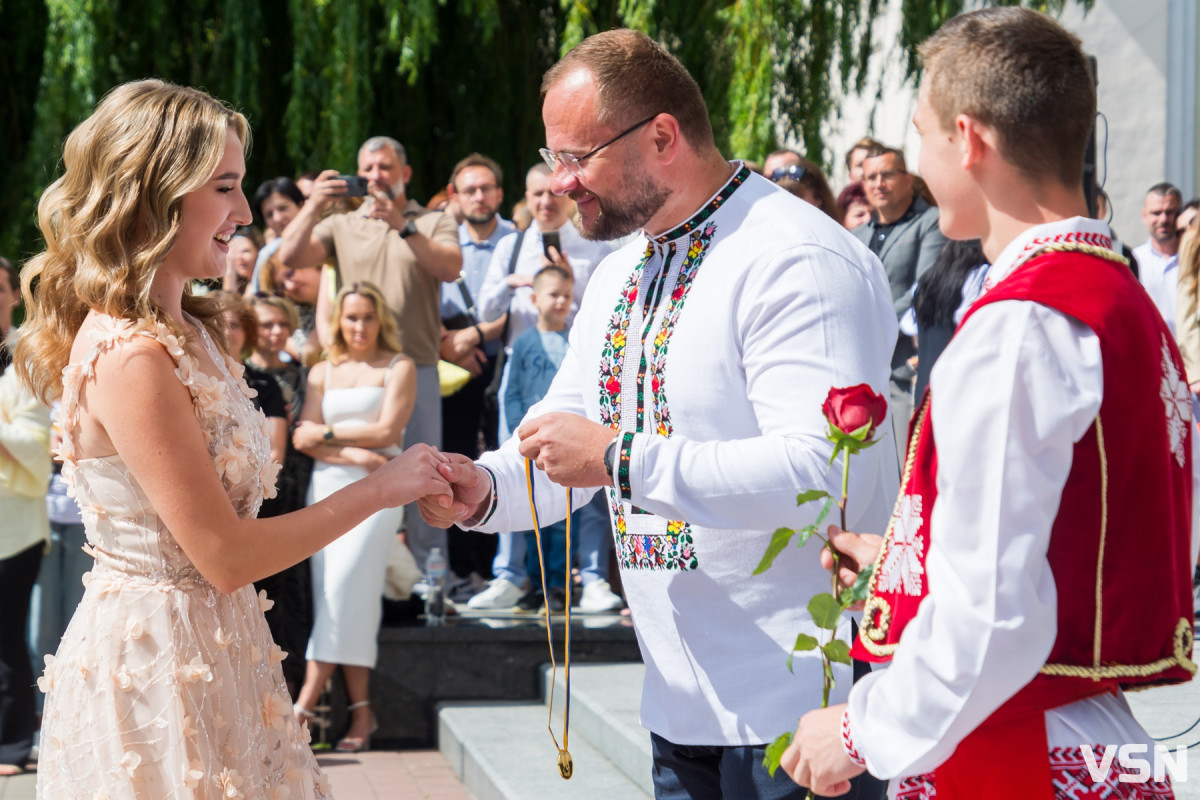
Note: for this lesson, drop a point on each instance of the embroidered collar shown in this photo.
(709, 208)
(1076, 229)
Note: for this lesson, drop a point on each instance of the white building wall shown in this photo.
(1139, 57)
(1129, 40)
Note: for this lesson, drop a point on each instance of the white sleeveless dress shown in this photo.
(348, 574)
(164, 688)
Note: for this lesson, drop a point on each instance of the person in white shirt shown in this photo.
(691, 396)
(1158, 256)
(1037, 564)
(511, 292)
(504, 291)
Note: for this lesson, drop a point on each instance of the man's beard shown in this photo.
(621, 217)
(482, 218)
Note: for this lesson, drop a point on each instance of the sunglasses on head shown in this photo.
(793, 171)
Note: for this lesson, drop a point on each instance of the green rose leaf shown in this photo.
(839, 443)
(779, 540)
(810, 495)
(837, 650)
(804, 534)
(803, 642)
(858, 592)
(774, 752)
(861, 434)
(825, 611)
(825, 509)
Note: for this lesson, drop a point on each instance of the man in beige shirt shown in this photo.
(404, 249)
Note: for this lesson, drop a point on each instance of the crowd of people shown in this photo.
(369, 375)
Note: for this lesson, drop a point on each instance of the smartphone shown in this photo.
(551, 240)
(356, 185)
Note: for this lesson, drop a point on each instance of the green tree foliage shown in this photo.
(316, 77)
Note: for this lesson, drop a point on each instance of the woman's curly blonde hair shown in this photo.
(113, 216)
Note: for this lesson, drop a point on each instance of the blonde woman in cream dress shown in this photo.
(166, 684)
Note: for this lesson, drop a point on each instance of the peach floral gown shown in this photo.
(163, 687)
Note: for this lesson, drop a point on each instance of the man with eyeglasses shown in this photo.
(469, 340)
(903, 232)
(473, 344)
(507, 294)
(691, 397)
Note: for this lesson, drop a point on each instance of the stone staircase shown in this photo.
(503, 751)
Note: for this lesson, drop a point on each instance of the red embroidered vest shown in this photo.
(1120, 545)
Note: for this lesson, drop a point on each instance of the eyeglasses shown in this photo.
(793, 171)
(572, 163)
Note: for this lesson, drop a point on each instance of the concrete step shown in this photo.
(502, 751)
(605, 709)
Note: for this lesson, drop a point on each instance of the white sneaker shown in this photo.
(598, 597)
(500, 594)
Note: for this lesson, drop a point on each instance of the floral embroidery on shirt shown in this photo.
(901, 569)
(1177, 402)
(612, 356)
(674, 549)
(691, 265)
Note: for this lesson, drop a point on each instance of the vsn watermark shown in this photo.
(1140, 763)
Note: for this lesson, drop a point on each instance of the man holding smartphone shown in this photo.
(407, 251)
(551, 239)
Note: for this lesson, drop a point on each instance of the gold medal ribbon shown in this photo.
(566, 767)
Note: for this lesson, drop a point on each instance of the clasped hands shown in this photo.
(568, 448)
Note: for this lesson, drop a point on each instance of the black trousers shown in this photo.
(18, 574)
(463, 419)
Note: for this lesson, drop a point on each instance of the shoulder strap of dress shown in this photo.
(108, 333)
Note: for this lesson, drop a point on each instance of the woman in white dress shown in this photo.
(166, 683)
(357, 404)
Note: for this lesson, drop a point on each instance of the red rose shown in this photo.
(849, 409)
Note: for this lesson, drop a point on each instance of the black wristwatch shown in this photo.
(610, 456)
(408, 230)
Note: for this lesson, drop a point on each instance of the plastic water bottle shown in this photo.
(435, 597)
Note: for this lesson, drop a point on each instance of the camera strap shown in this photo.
(468, 301)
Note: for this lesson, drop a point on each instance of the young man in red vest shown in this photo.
(1038, 560)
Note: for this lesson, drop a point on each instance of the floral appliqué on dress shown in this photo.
(162, 685)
